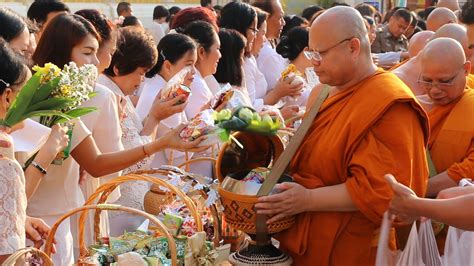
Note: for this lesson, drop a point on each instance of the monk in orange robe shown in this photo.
(370, 125)
(450, 107)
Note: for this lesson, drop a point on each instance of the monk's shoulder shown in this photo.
(387, 85)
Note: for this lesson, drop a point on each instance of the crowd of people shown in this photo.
(395, 133)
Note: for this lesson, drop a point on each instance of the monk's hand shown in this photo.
(402, 202)
(292, 199)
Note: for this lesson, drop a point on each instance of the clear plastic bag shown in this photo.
(429, 248)
(459, 247)
(410, 256)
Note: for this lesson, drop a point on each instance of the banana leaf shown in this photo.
(75, 114)
(19, 107)
(56, 103)
(234, 124)
(44, 91)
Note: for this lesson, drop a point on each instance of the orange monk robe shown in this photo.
(398, 65)
(360, 134)
(451, 141)
(470, 81)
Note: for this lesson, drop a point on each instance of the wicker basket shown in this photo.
(110, 207)
(239, 209)
(19, 254)
(240, 214)
(106, 189)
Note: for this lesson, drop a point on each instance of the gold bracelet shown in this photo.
(144, 151)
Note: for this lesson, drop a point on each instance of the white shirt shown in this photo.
(255, 82)
(151, 88)
(13, 206)
(59, 191)
(201, 94)
(388, 59)
(271, 64)
(212, 83)
(105, 127)
(156, 31)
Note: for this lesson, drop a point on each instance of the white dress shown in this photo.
(271, 64)
(201, 94)
(255, 82)
(12, 206)
(151, 88)
(212, 83)
(157, 32)
(132, 193)
(59, 193)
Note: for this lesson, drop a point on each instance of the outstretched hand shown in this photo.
(402, 202)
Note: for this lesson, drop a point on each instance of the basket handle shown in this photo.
(104, 191)
(113, 207)
(13, 258)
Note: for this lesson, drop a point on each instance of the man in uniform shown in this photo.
(390, 37)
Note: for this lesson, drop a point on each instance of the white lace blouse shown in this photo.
(12, 206)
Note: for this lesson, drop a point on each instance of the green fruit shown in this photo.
(246, 114)
(256, 117)
(223, 115)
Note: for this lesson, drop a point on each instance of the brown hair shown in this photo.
(59, 38)
(135, 48)
(265, 5)
(262, 16)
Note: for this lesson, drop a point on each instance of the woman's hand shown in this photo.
(37, 231)
(402, 201)
(284, 88)
(162, 109)
(292, 199)
(57, 141)
(172, 140)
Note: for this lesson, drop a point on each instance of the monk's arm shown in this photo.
(396, 145)
(452, 176)
(438, 183)
(331, 198)
(455, 212)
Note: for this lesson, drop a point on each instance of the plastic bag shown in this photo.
(459, 248)
(429, 248)
(175, 86)
(410, 256)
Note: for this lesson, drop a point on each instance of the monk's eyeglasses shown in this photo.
(317, 55)
(440, 84)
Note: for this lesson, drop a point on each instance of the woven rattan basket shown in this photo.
(19, 255)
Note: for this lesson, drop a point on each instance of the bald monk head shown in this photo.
(341, 47)
(439, 17)
(443, 75)
(456, 32)
(453, 5)
(418, 42)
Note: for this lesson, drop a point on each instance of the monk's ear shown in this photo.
(467, 67)
(355, 46)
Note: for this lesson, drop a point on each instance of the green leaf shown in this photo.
(23, 99)
(92, 94)
(57, 103)
(48, 113)
(44, 91)
(76, 113)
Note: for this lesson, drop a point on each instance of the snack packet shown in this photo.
(202, 124)
(175, 86)
(230, 98)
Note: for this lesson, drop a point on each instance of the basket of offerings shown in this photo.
(29, 256)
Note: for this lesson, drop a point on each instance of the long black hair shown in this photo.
(238, 16)
(229, 68)
(172, 47)
(12, 24)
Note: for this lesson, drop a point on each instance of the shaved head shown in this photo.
(418, 42)
(340, 36)
(447, 69)
(439, 17)
(456, 32)
(453, 5)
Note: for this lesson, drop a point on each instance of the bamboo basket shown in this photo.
(106, 189)
(19, 254)
(110, 207)
(156, 195)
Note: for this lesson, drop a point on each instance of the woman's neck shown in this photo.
(202, 70)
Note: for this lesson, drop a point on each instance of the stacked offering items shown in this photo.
(178, 85)
(139, 248)
(217, 125)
